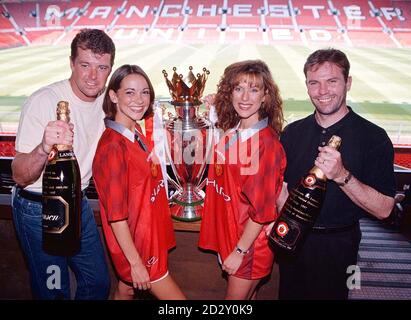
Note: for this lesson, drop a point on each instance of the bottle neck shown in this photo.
(64, 116)
(64, 147)
(318, 173)
(334, 142)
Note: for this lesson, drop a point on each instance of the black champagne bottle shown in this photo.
(301, 208)
(61, 197)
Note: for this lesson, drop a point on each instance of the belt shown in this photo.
(36, 197)
(320, 229)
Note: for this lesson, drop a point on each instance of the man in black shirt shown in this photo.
(361, 180)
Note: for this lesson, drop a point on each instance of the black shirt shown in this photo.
(366, 151)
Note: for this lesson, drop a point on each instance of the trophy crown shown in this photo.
(189, 89)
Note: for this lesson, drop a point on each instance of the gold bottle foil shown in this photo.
(63, 114)
(334, 142)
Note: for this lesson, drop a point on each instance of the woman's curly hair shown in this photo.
(272, 108)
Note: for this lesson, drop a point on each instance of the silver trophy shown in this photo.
(188, 144)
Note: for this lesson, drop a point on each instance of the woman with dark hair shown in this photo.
(133, 204)
(246, 176)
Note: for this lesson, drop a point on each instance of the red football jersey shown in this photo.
(131, 187)
(244, 182)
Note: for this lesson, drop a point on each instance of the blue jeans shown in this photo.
(49, 274)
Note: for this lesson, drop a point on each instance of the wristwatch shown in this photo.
(241, 251)
(347, 178)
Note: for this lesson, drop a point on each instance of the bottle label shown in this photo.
(52, 155)
(57, 156)
(285, 234)
(282, 229)
(55, 214)
(302, 206)
(309, 180)
(299, 213)
(66, 155)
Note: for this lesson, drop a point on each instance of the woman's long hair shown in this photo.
(258, 71)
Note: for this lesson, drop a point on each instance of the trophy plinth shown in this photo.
(188, 144)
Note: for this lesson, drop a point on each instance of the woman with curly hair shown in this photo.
(245, 177)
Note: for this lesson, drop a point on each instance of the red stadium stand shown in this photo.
(237, 35)
(244, 13)
(283, 36)
(23, 14)
(98, 14)
(402, 156)
(9, 40)
(137, 14)
(370, 38)
(60, 14)
(204, 14)
(5, 23)
(66, 37)
(46, 37)
(323, 36)
(201, 35)
(355, 15)
(170, 14)
(404, 38)
(395, 14)
(7, 149)
(353, 22)
(314, 16)
(278, 15)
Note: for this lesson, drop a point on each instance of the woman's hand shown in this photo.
(233, 262)
(209, 100)
(140, 276)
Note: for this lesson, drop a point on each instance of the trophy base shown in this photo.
(186, 213)
(187, 204)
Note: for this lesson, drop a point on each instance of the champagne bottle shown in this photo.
(61, 197)
(301, 208)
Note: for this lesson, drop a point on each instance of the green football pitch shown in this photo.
(381, 90)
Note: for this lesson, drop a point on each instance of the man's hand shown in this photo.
(330, 162)
(27, 167)
(57, 132)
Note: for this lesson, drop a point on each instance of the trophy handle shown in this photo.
(176, 183)
(209, 149)
(170, 116)
(201, 185)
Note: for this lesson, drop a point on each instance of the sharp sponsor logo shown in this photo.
(156, 190)
(218, 189)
